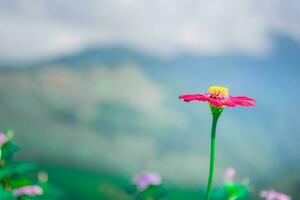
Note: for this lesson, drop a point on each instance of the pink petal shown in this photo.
(146, 179)
(243, 98)
(215, 102)
(273, 195)
(229, 174)
(242, 101)
(3, 138)
(228, 103)
(194, 97)
(31, 190)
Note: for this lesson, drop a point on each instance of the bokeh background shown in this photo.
(91, 89)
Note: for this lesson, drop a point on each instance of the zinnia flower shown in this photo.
(3, 139)
(273, 195)
(219, 97)
(145, 179)
(30, 190)
(229, 174)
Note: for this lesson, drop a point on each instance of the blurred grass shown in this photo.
(80, 184)
(85, 184)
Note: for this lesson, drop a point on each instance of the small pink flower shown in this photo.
(30, 190)
(273, 195)
(3, 139)
(229, 174)
(219, 97)
(145, 179)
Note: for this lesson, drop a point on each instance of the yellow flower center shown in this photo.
(217, 92)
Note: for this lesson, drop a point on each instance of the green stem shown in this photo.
(212, 155)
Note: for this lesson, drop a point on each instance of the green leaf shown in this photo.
(8, 151)
(16, 168)
(19, 182)
(5, 195)
(154, 192)
(236, 191)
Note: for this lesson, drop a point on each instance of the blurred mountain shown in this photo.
(110, 56)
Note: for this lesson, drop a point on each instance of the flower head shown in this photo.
(229, 174)
(145, 179)
(219, 97)
(273, 195)
(30, 190)
(3, 139)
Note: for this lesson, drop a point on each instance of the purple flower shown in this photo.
(30, 190)
(229, 174)
(3, 139)
(145, 179)
(273, 195)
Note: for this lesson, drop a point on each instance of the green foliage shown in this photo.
(16, 174)
(235, 191)
(6, 195)
(231, 191)
(103, 184)
(8, 151)
(16, 169)
(152, 193)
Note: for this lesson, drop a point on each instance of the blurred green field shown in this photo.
(78, 184)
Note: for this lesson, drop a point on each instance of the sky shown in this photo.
(38, 29)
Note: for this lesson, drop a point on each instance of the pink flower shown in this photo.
(3, 139)
(30, 190)
(145, 179)
(229, 174)
(219, 97)
(273, 195)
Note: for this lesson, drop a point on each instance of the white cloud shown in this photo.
(34, 29)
